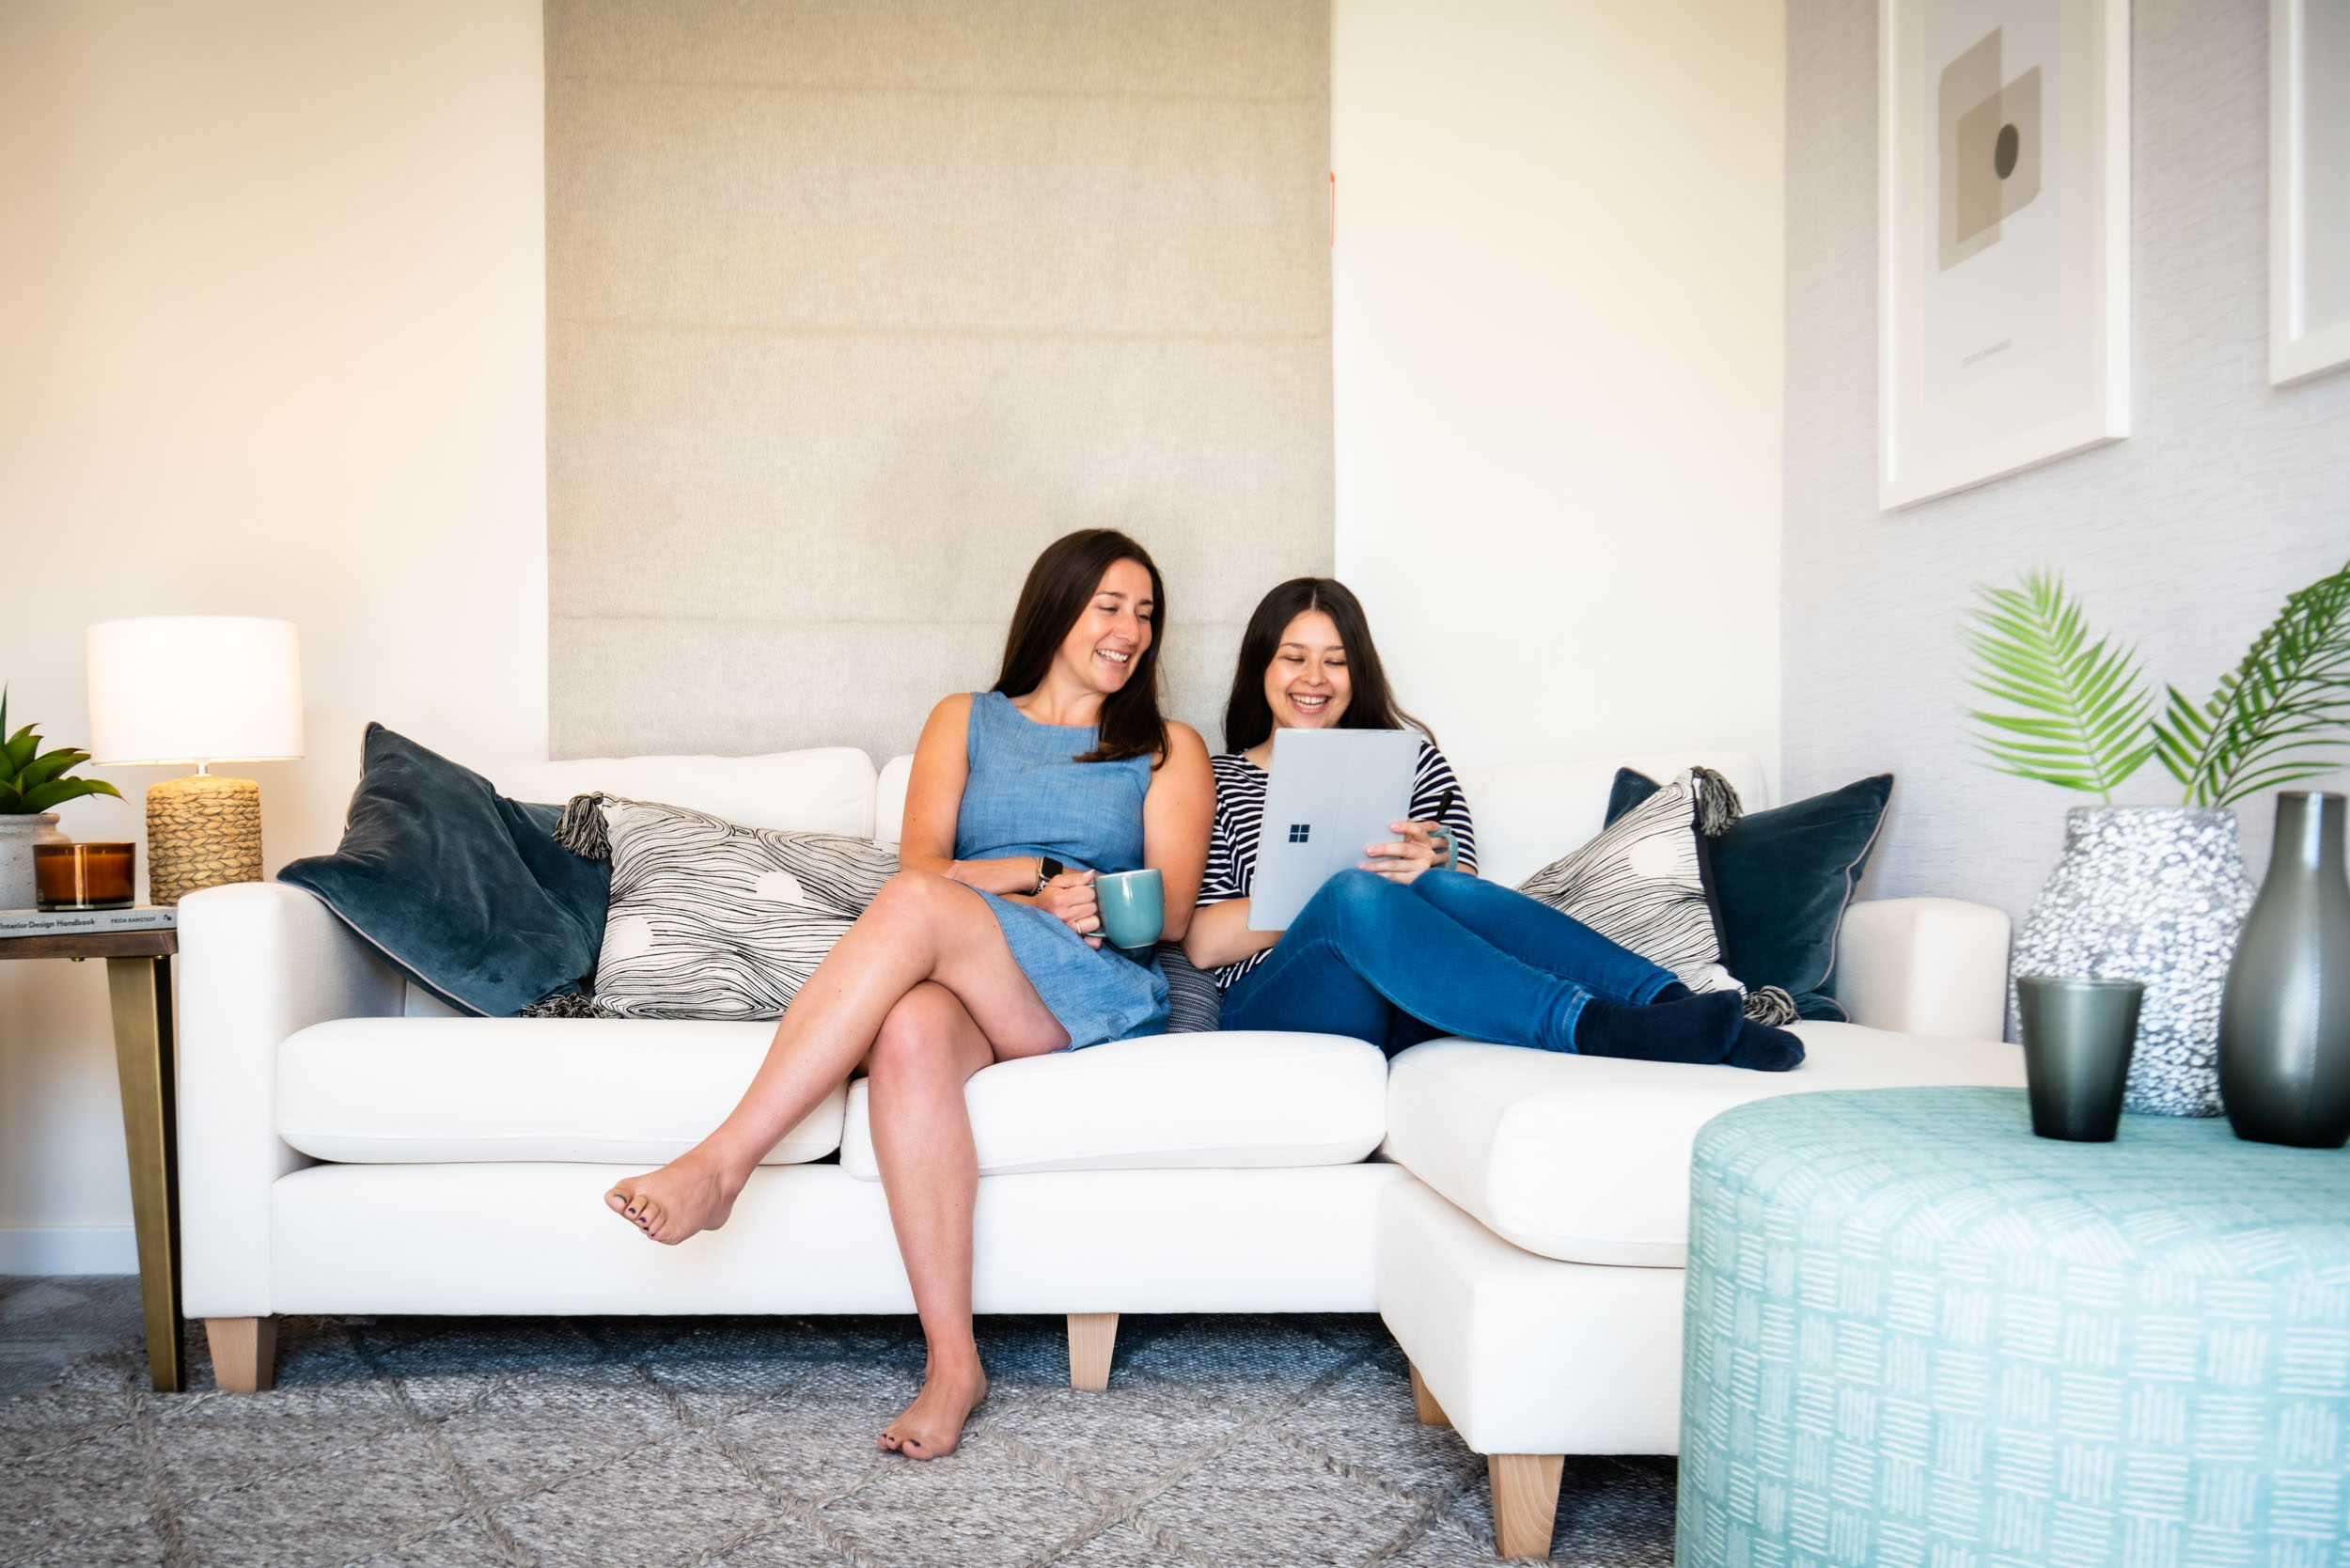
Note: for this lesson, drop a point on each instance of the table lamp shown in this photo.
(200, 689)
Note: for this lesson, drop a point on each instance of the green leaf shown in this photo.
(2283, 715)
(32, 780)
(2084, 709)
(42, 769)
(58, 790)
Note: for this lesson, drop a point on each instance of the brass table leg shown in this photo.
(140, 992)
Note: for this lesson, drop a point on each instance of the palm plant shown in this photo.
(2085, 711)
(2083, 720)
(33, 780)
(2281, 715)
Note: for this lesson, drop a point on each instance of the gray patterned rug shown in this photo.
(748, 1442)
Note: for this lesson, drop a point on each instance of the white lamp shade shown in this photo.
(194, 688)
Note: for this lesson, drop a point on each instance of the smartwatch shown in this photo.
(1046, 870)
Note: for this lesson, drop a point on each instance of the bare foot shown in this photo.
(692, 1193)
(932, 1426)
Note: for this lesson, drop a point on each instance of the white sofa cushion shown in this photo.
(889, 798)
(822, 789)
(1586, 1159)
(411, 1091)
(1244, 1099)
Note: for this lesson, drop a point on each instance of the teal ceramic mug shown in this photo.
(1134, 907)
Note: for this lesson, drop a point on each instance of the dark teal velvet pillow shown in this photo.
(464, 890)
(1782, 878)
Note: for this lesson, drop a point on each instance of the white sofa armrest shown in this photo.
(258, 962)
(1934, 966)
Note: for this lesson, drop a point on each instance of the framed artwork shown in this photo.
(2309, 188)
(2003, 238)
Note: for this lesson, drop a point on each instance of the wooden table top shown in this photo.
(159, 942)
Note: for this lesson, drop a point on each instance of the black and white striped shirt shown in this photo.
(1231, 869)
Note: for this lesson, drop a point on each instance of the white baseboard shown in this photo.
(70, 1250)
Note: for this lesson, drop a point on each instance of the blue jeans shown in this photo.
(1448, 954)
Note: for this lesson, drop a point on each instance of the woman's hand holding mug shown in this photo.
(1070, 898)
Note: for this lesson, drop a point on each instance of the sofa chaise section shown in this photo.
(1532, 1270)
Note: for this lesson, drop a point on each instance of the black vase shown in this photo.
(2284, 1020)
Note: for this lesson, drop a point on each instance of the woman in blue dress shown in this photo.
(985, 946)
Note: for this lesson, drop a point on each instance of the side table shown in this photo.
(1916, 1334)
(138, 986)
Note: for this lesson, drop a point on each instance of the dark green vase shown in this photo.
(2284, 1020)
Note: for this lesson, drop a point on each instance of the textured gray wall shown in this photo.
(853, 307)
(2185, 537)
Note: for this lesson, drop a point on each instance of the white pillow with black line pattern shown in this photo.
(713, 920)
(1642, 885)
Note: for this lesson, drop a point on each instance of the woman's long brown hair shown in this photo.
(1060, 584)
(1249, 717)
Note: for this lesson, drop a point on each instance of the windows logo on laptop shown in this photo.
(1300, 832)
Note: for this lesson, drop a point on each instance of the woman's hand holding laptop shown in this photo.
(1425, 847)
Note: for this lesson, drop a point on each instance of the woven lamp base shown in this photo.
(201, 831)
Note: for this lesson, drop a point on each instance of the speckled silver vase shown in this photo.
(2156, 894)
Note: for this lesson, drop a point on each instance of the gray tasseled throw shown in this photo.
(577, 1004)
(581, 831)
(1716, 800)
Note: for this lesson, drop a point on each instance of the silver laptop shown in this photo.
(1332, 794)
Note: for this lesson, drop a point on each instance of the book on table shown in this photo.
(84, 922)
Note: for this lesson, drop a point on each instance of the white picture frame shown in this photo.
(2309, 189)
(2003, 287)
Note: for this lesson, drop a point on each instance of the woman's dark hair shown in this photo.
(1060, 584)
(1249, 718)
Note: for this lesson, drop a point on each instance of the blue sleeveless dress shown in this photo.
(1027, 796)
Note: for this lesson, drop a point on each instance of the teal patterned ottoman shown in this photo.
(1918, 1335)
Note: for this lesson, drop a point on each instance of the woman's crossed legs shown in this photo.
(924, 991)
(1396, 964)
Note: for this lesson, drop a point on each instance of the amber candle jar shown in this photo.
(85, 876)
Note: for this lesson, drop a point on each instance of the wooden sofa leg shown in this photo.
(1091, 1338)
(244, 1353)
(1526, 1500)
(1424, 1403)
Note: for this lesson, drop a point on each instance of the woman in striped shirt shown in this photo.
(1411, 944)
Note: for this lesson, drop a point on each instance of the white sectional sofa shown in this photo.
(1518, 1218)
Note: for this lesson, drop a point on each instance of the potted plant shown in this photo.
(2155, 893)
(31, 782)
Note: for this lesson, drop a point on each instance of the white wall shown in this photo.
(1557, 297)
(852, 309)
(2184, 539)
(272, 286)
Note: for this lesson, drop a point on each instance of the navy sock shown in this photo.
(1763, 1048)
(1697, 1029)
